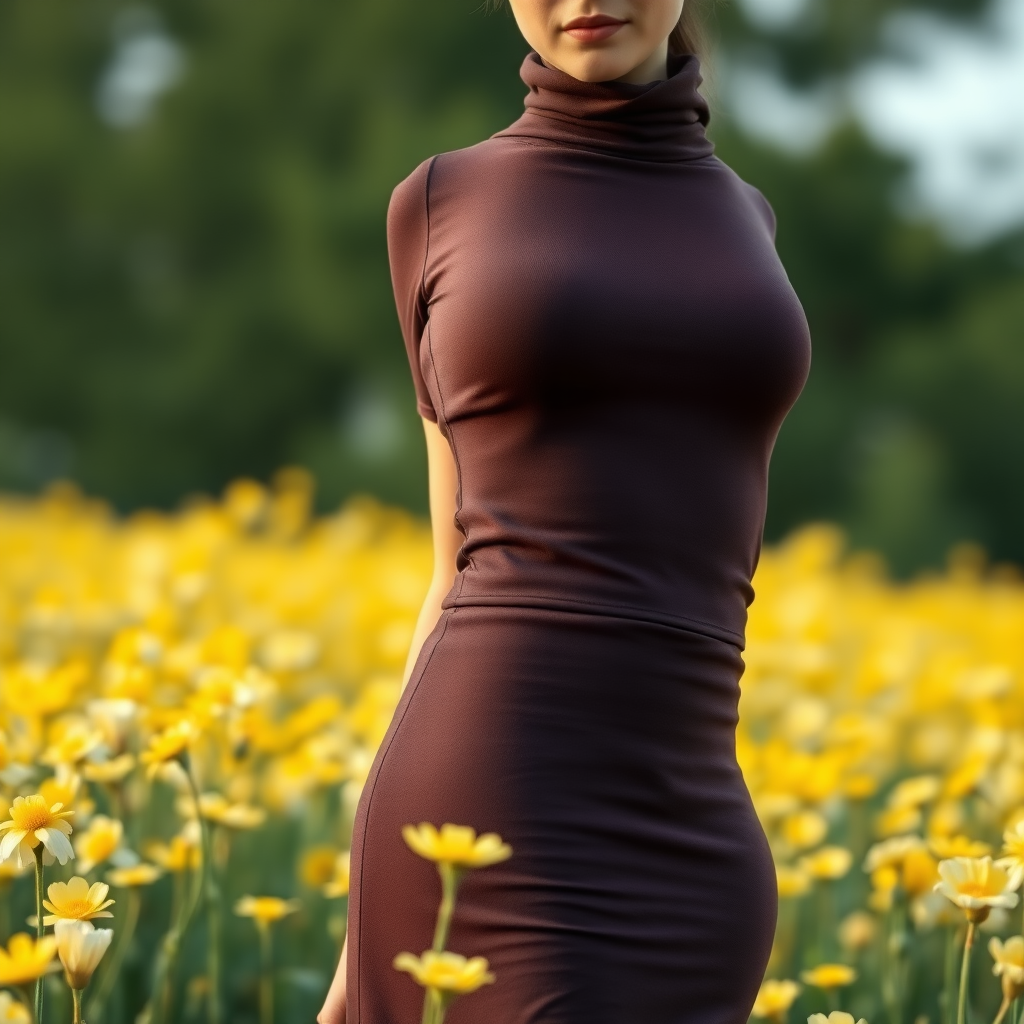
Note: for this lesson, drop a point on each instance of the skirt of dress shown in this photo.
(641, 889)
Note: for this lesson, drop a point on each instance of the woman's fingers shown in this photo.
(334, 1009)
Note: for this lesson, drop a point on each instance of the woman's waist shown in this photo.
(710, 608)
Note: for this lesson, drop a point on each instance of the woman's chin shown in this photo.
(596, 64)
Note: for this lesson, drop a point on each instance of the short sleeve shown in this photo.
(408, 235)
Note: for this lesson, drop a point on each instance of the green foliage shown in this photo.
(206, 293)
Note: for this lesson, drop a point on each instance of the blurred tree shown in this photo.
(194, 285)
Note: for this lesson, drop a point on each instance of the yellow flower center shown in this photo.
(75, 908)
(32, 817)
(975, 889)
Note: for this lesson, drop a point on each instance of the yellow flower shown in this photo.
(446, 972)
(884, 881)
(62, 787)
(774, 999)
(98, 842)
(804, 829)
(967, 777)
(219, 810)
(920, 872)
(829, 976)
(72, 744)
(861, 787)
(316, 868)
(77, 901)
(32, 822)
(114, 770)
(1013, 848)
(10, 869)
(1009, 965)
(977, 886)
(338, 885)
(891, 852)
(180, 854)
(265, 910)
(245, 501)
(13, 1012)
(129, 878)
(922, 789)
(80, 947)
(948, 847)
(170, 745)
(835, 1017)
(458, 845)
(897, 820)
(792, 882)
(830, 862)
(26, 959)
(857, 931)
(946, 818)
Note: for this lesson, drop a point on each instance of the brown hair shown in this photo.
(691, 35)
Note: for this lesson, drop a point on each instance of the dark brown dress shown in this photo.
(597, 319)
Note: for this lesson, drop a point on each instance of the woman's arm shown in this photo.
(444, 485)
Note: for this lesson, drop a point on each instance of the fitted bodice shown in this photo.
(597, 319)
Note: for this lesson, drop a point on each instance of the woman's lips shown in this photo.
(593, 29)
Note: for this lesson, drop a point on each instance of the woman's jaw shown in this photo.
(601, 40)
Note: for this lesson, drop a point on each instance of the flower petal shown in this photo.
(56, 844)
(10, 842)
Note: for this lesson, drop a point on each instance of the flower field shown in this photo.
(205, 692)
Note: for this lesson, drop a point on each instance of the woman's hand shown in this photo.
(336, 1005)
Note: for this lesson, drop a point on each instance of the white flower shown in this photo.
(80, 947)
(835, 1017)
(977, 886)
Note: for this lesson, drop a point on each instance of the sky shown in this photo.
(950, 100)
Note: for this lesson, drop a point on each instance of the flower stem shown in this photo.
(266, 975)
(1004, 1007)
(965, 970)
(38, 1001)
(76, 999)
(113, 967)
(211, 892)
(443, 999)
(5, 912)
(213, 910)
(449, 885)
(432, 1009)
(181, 913)
(428, 1007)
(949, 974)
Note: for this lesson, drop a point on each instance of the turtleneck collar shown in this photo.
(661, 121)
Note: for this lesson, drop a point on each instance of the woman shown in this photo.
(604, 345)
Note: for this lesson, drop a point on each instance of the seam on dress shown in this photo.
(455, 454)
(440, 396)
(450, 613)
(649, 614)
(426, 245)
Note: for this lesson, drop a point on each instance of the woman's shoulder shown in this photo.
(749, 195)
(455, 172)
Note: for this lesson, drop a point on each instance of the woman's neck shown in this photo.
(654, 69)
